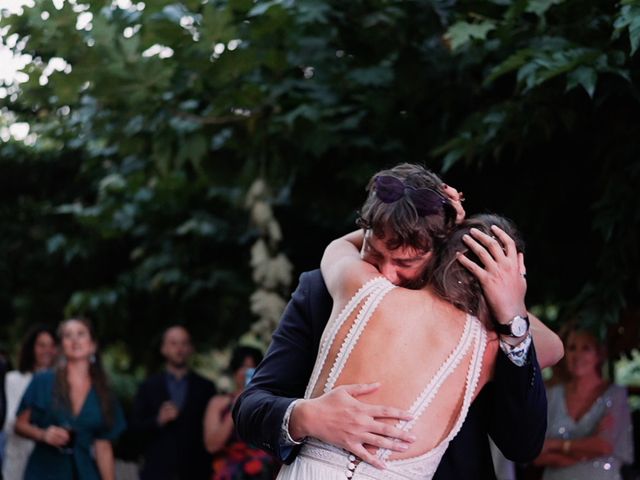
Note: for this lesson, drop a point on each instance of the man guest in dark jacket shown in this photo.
(168, 411)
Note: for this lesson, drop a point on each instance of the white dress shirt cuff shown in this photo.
(518, 353)
(285, 436)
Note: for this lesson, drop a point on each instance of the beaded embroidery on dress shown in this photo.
(318, 460)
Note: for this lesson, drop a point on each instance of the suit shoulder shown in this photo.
(200, 380)
(312, 280)
(153, 380)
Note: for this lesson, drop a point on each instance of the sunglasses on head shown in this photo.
(425, 200)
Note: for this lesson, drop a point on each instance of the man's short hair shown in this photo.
(398, 223)
(171, 327)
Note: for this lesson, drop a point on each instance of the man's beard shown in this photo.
(179, 364)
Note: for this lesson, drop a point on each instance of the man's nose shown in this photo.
(389, 272)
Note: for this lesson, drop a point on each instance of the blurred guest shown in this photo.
(4, 367)
(233, 458)
(505, 468)
(37, 352)
(168, 409)
(589, 433)
(71, 413)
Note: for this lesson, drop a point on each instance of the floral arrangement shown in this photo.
(240, 461)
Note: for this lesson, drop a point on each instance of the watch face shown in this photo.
(518, 327)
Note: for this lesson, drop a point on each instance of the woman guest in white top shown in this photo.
(37, 352)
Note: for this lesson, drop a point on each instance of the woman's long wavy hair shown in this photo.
(96, 372)
(452, 281)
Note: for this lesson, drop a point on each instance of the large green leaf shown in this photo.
(127, 201)
(540, 7)
(629, 18)
(585, 77)
(462, 33)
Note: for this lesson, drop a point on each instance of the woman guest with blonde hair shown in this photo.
(71, 413)
(589, 433)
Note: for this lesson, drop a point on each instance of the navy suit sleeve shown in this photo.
(517, 408)
(283, 374)
(145, 410)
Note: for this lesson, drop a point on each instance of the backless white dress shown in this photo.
(318, 460)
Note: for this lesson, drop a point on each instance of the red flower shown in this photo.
(237, 451)
(253, 467)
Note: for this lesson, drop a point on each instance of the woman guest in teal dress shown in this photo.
(71, 413)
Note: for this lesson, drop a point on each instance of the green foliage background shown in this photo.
(129, 205)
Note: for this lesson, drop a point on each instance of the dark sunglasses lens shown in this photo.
(388, 189)
(450, 212)
(426, 201)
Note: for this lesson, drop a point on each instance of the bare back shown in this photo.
(429, 357)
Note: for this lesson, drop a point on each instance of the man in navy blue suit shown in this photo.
(511, 409)
(168, 412)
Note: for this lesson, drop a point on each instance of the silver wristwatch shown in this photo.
(517, 327)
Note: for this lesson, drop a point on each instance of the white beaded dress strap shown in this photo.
(332, 328)
(428, 394)
(473, 376)
(355, 331)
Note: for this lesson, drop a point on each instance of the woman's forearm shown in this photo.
(105, 460)
(24, 428)
(338, 257)
(587, 448)
(549, 348)
(557, 452)
(52, 435)
(356, 238)
(217, 433)
(555, 459)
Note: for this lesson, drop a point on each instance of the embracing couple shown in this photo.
(409, 347)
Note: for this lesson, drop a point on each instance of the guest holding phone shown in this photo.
(71, 413)
(233, 458)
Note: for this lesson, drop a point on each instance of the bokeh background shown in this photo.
(166, 162)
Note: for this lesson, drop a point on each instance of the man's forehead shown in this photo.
(176, 334)
(400, 253)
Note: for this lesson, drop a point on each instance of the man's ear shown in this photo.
(523, 268)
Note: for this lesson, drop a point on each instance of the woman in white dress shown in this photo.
(431, 350)
(37, 352)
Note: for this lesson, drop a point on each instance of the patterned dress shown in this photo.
(240, 461)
